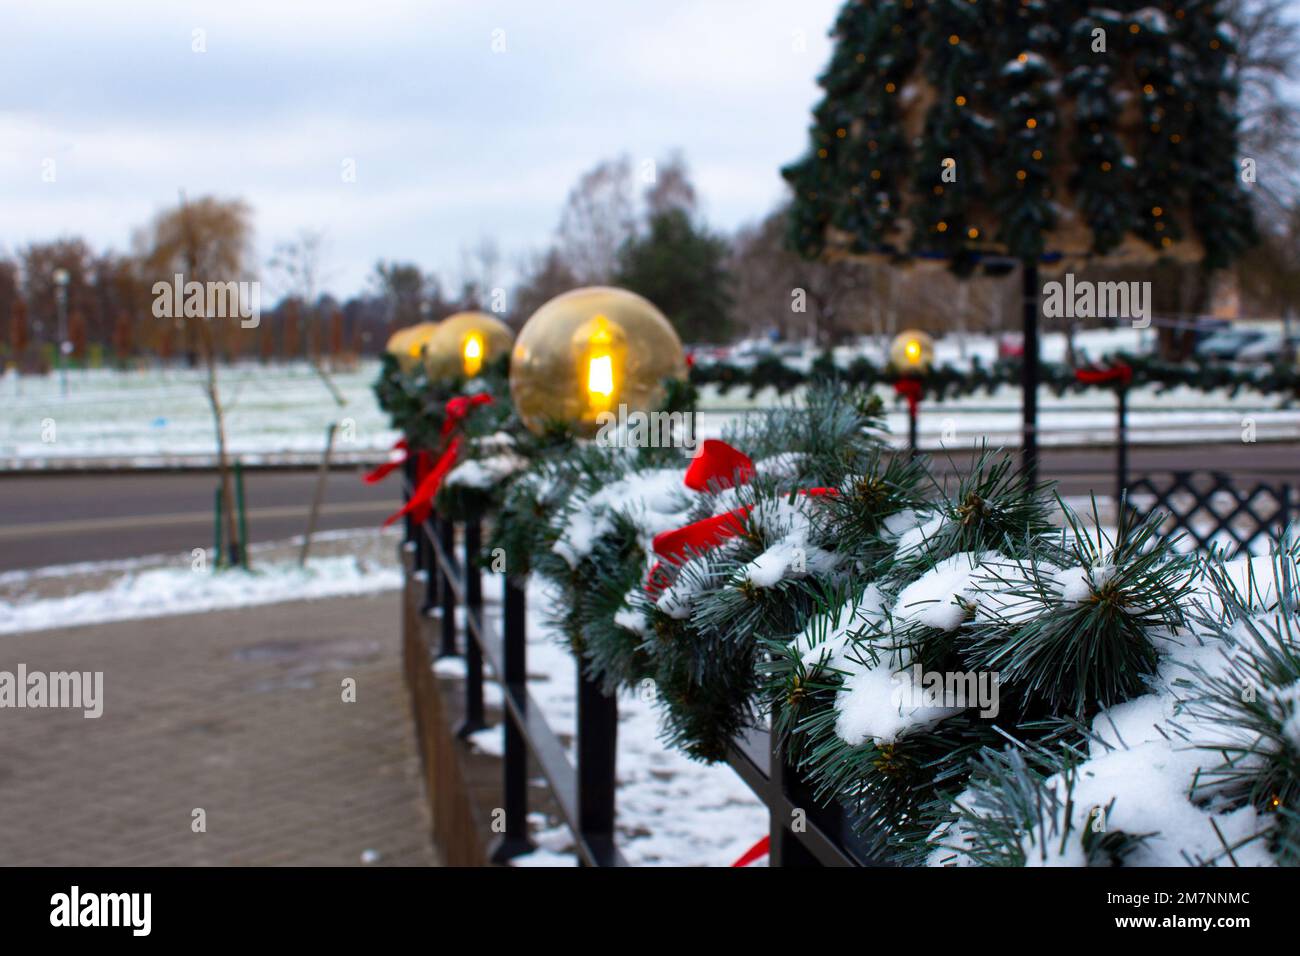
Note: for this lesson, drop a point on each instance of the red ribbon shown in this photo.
(421, 501)
(760, 849)
(697, 537)
(388, 467)
(459, 407)
(1120, 372)
(819, 492)
(909, 386)
(720, 466)
(717, 466)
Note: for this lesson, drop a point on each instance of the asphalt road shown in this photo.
(60, 519)
(1081, 470)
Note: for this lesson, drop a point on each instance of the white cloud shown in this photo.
(452, 141)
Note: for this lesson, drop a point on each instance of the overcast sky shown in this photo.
(451, 140)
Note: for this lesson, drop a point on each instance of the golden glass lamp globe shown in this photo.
(407, 345)
(589, 351)
(463, 344)
(911, 352)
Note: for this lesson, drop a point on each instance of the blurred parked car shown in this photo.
(1225, 345)
(1270, 347)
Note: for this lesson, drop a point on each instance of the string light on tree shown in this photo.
(589, 351)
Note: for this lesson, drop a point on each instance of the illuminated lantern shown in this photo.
(407, 345)
(911, 352)
(589, 351)
(463, 344)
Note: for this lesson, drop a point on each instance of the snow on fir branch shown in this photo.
(1126, 703)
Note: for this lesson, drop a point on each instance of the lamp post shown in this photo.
(61, 279)
(1031, 307)
(590, 353)
(463, 344)
(910, 354)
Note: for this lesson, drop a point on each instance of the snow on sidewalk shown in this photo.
(671, 810)
(47, 598)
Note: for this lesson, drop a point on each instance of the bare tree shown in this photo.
(298, 267)
(544, 276)
(40, 260)
(480, 269)
(773, 288)
(671, 188)
(599, 215)
(207, 240)
(1264, 67)
(404, 290)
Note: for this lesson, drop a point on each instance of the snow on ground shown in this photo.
(47, 598)
(278, 414)
(1176, 417)
(671, 811)
(145, 417)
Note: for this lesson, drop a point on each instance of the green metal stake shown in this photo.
(216, 527)
(243, 522)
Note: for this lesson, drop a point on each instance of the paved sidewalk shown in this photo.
(239, 713)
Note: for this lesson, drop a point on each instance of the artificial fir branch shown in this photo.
(1251, 703)
(1008, 816)
(1090, 648)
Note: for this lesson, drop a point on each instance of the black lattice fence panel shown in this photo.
(1212, 510)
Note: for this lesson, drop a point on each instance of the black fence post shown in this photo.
(408, 523)
(514, 840)
(428, 562)
(785, 848)
(433, 582)
(1032, 307)
(474, 720)
(597, 745)
(1121, 454)
(1284, 513)
(912, 423)
(447, 542)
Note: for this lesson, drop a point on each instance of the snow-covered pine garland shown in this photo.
(1148, 707)
(587, 523)
(1203, 768)
(948, 381)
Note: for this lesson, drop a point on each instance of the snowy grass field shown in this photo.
(161, 416)
(279, 414)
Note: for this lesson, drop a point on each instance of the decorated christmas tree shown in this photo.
(956, 129)
(1028, 131)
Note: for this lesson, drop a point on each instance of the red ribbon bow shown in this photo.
(421, 501)
(909, 386)
(694, 538)
(717, 466)
(388, 467)
(756, 852)
(1120, 372)
(720, 465)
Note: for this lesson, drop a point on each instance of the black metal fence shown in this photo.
(1212, 509)
(801, 832)
(584, 793)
